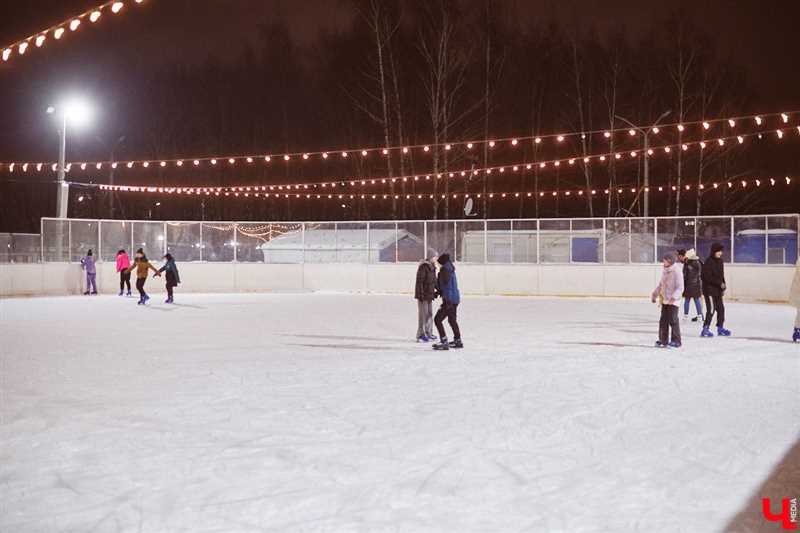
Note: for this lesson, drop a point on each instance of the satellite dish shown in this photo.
(468, 205)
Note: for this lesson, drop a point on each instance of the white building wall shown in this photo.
(745, 282)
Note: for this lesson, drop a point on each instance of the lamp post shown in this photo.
(76, 112)
(646, 146)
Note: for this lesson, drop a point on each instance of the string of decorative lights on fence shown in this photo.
(759, 120)
(57, 31)
(499, 171)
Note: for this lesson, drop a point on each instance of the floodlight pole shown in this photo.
(62, 192)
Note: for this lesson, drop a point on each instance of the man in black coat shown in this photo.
(425, 293)
(692, 282)
(714, 288)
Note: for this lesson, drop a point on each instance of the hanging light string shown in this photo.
(57, 31)
(492, 171)
(759, 120)
(736, 184)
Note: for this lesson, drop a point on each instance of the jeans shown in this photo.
(669, 320)
(697, 305)
(447, 310)
(424, 318)
(714, 304)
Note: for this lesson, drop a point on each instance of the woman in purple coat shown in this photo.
(91, 273)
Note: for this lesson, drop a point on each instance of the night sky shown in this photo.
(759, 38)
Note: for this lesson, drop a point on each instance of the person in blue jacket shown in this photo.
(447, 288)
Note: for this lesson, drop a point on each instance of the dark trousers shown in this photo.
(170, 286)
(714, 304)
(140, 287)
(449, 311)
(124, 279)
(669, 319)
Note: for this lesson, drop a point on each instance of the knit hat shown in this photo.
(444, 258)
(671, 257)
(691, 254)
(681, 251)
(716, 247)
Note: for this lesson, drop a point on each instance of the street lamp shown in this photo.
(77, 113)
(645, 134)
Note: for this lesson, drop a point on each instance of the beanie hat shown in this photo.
(444, 258)
(681, 251)
(671, 257)
(716, 247)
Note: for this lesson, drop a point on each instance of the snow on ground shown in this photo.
(318, 412)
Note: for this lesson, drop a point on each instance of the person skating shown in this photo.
(669, 291)
(714, 289)
(692, 283)
(173, 278)
(141, 265)
(447, 287)
(91, 273)
(424, 293)
(123, 264)
(794, 299)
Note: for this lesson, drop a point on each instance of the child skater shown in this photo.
(714, 289)
(123, 264)
(173, 278)
(91, 273)
(447, 287)
(141, 264)
(692, 283)
(794, 299)
(669, 291)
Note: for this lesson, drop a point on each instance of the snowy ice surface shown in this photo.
(318, 412)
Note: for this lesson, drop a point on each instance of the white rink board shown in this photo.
(318, 412)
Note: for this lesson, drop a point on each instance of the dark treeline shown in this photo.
(411, 73)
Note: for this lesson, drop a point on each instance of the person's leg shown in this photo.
(686, 306)
(140, 288)
(121, 282)
(709, 311)
(698, 306)
(719, 306)
(675, 324)
(428, 327)
(452, 319)
(128, 281)
(420, 318)
(663, 325)
(94, 283)
(169, 291)
(440, 315)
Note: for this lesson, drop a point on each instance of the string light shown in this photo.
(73, 23)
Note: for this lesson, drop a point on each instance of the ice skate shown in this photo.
(796, 335)
(456, 343)
(660, 344)
(129, 294)
(706, 332)
(444, 345)
(698, 318)
(722, 332)
(424, 338)
(86, 293)
(674, 344)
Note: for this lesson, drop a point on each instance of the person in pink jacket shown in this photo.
(123, 264)
(669, 293)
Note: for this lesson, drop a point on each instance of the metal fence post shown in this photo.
(303, 243)
(538, 238)
(166, 248)
(41, 239)
(69, 241)
(655, 240)
(766, 242)
(368, 243)
(425, 236)
(396, 244)
(732, 243)
(485, 242)
(235, 241)
(99, 241)
(630, 241)
(201, 242)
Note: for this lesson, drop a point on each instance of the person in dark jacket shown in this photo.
(173, 278)
(714, 288)
(692, 282)
(425, 293)
(447, 287)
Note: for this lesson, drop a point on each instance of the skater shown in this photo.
(141, 264)
(668, 292)
(692, 283)
(794, 299)
(91, 273)
(424, 293)
(173, 278)
(447, 287)
(123, 264)
(713, 277)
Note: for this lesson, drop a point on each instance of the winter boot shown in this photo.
(168, 301)
(698, 318)
(86, 293)
(140, 302)
(706, 332)
(660, 344)
(423, 338)
(129, 293)
(444, 345)
(145, 299)
(120, 293)
(722, 332)
(456, 343)
(674, 344)
(796, 335)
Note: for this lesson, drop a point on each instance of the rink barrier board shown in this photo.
(745, 282)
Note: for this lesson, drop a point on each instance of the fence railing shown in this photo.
(20, 247)
(751, 239)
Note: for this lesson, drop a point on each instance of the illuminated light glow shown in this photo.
(759, 120)
(656, 130)
(702, 145)
(730, 184)
(491, 144)
(538, 140)
(179, 163)
(557, 163)
(163, 163)
(681, 127)
(267, 158)
(542, 165)
(514, 142)
(674, 188)
(633, 154)
(426, 149)
(22, 47)
(732, 123)
(305, 156)
(555, 193)
(130, 165)
(6, 54)
(541, 194)
(647, 189)
(721, 142)
(772, 181)
(40, 40)
(740, 139)
(560, 138)
(685, 147)
(116, 7)
(631, 132)
(567, 193)
(716, 185)
(249, 159)
(325, 155)
(528, 166)
(617, 156)
(702, 186)
(594, 191)
(385, 152)
(39, 168)
(363, 153)
(780, 134)
(469, 146)
(706, 125)
(602, 158)
(661, 189)
(785, 118)
(58, 33)
(94, 16)
(758, 183)
(196, 162)
(529, 195)
(344, 154)
(667, 149)
(607, 134)
(744, 184)
(83, 166)
(405, 150)
(74, 24)
(619, 191)
(650, 151)
(488, 171)
(516, 168)
(113, 165)
(585, 159)
(286, 157)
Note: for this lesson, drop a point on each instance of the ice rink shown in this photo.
(319, 412)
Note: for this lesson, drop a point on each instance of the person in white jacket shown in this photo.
(794, 299)
(669, 292)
